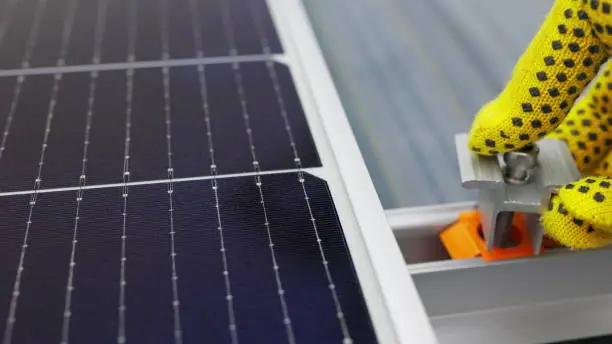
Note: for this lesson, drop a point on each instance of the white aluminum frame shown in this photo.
(560, 295)
(394, 304)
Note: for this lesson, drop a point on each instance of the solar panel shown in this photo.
(32, 31)
(164, 179)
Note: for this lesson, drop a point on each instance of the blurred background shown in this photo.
(412, 73)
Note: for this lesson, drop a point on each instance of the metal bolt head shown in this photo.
(520, 164)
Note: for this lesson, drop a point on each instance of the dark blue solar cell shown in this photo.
(19, 163)
(189, 140)
(95, 300)
(180, 29)
(199, 247)
(64, 153)
(201, 285)
(309, 299)
(115, 40)
(262, 12)
(149, 315)
(47, 48)
(13, 44)
(230, 139)
(82, 38)
(148, 156)
(65, 144)
(288, 210)
(269, 132)
(214, 30)
(147, 19)
(241, 17)
(107, 135)
(214, 39)
(270, 138)
(7, 88)
(148, 42)
(14, 214)
(43, 288)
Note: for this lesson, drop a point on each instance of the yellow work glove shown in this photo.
(541, 100)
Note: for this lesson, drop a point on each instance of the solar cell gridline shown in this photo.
(154, 185)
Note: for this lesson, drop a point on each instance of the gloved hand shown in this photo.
(541, 100)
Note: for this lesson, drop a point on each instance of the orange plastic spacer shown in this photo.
(464, 239)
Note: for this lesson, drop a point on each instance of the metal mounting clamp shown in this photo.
(515, 182)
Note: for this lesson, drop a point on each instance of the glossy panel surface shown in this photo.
(47, 25)
(66, 119)
(200, 248)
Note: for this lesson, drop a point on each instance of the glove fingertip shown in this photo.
(569, 231)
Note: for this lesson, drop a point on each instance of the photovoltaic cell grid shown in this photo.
(152, 204)
(32, 31)
(141, 92)
(203, 296)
